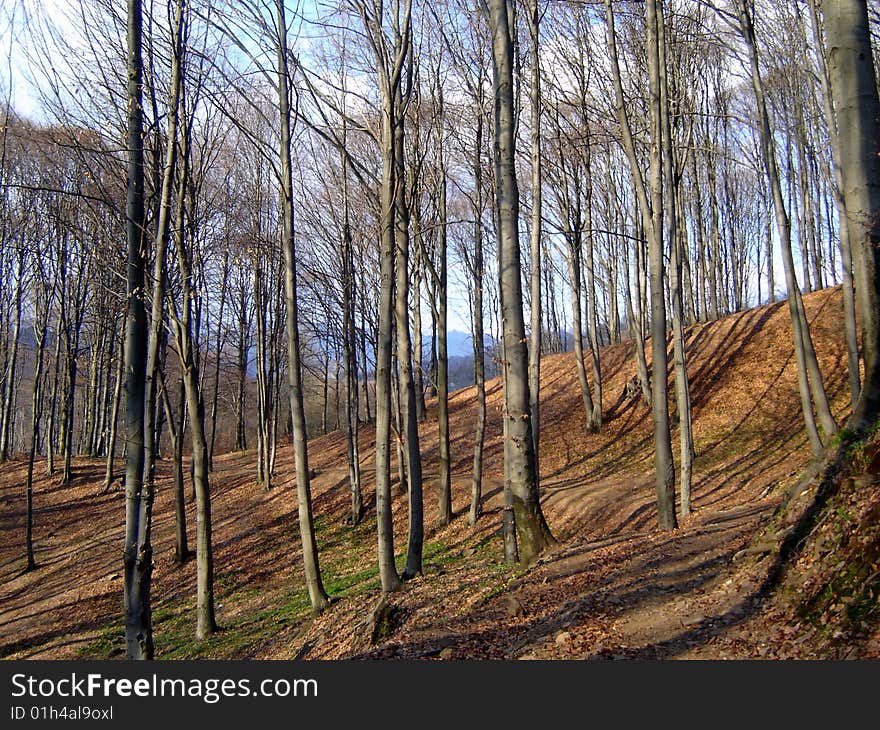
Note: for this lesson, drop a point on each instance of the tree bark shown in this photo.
(445, 486)
(175, 431)
(849, 303)
(138, 502)
(534, 24)
(479, 344)
(409, 426)
(652, 217)
(114, 417)
(672, 176)
(533, 534)
(855, 100)
(317, 595)
(41, 321)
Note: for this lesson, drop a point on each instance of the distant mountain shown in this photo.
(458, 343)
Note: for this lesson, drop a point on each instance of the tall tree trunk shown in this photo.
(418, 344)
(157, 339)
(652, 216)
(107, 391)
(855, 100)
(663, 462)
(138, 503)
(533, 534)
(92, 399)
(187, 349)
(241, 371)
(409, 427)
(41, 321)
(574, 274)
(51, 426)
(205, 620)
(349, 345)
(351, 373)
(849, 302)
(445, 487)
(69, 397)
(364, 386)
(595, 416)
(534, 23)
(317, 595)
(479, 344)
(671, 211)
(264, 395)
(640, 325)
(385, 529)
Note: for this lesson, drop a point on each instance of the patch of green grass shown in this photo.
(176, 637)
(110, 643)
(844, 435)
(346, 585)
(346, 574)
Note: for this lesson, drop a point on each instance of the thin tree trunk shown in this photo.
(349, 346)
(175, 432)
(652, 215)
(243, 337)
(114, 418)
(639, 327)
(479, 344)
(574, 274)
(157, 338)
(418, 345)
(682, 383)
(365, 381)
(41, 319)
(534, 23)
(53, 402)
(445, 486)
(595, 416)
(317, 595)
(218, 354)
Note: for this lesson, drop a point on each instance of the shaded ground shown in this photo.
(613, 586)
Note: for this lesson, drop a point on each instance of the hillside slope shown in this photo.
(613, 586)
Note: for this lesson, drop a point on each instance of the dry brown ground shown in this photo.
(613, 586)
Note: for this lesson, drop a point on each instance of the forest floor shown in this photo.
(613, 585)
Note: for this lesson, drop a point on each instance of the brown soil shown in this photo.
(613, 585)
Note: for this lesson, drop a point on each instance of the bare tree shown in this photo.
(533, 534)
(138, 501)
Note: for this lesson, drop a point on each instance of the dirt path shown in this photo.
(636, 594)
